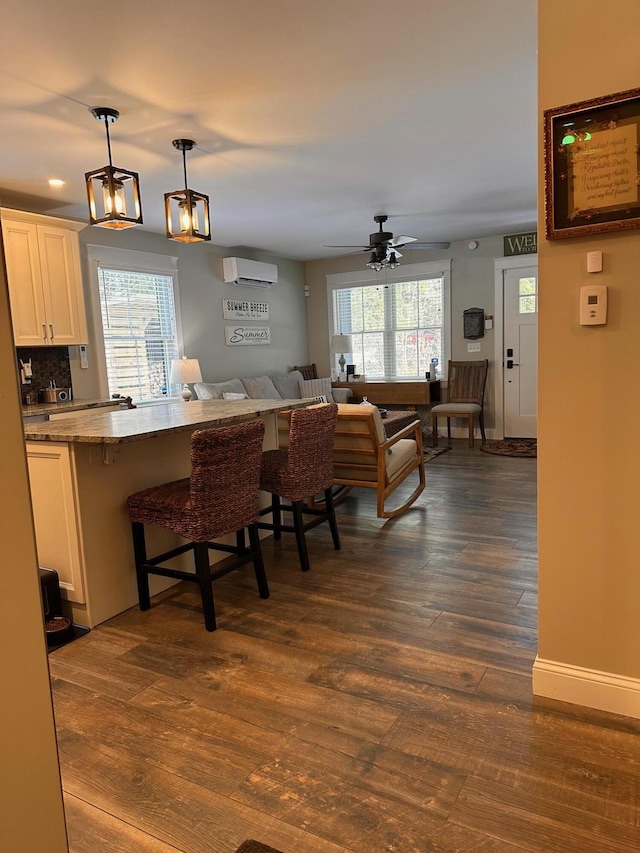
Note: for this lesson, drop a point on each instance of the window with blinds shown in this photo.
(139, 328)
(396, 328)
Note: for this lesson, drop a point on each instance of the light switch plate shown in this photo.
(474, 348)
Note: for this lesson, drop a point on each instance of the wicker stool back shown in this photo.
(220, 497)
(303, 470)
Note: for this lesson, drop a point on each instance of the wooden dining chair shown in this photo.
(466, 382)
(308, 371)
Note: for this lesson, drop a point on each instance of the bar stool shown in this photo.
(220, 497)
(304, 469)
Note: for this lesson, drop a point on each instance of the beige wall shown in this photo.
(31, 813)
(472, 286)
(589, 461)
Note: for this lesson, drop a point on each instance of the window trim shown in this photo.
(133, 261)
(406, 272)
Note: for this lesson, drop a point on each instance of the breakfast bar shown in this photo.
(82, 469)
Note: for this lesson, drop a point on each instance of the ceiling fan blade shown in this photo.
(349, 246)
(402, 241)
(394, 250)
(428, 245)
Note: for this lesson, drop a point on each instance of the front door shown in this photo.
(520, 356)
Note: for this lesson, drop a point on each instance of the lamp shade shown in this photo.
(185, 370)
(341, 343)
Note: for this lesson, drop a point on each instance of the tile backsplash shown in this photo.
(47, 363)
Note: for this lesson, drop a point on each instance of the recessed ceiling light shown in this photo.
(56, 182)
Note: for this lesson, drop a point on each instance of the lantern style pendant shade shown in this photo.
(113, 193)
(187, 211)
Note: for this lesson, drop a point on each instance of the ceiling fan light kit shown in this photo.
(187, 211)
(384, 248)
(113, 193)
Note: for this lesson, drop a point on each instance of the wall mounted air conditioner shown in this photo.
(246, 273)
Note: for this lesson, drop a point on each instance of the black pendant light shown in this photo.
(114, 194)
(186, 211)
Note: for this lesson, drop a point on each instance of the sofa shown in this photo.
(278, 386)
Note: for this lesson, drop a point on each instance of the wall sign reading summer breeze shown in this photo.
(246, 335)
(244, 309)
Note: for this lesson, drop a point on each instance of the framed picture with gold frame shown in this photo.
(592, 166)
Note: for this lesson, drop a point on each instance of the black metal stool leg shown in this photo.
(298, 525)
(203, 571)
(331, 513)
(277, 516)
(140, 556)
(258, 563)
(240, 542)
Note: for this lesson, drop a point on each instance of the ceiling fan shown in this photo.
(384, 248)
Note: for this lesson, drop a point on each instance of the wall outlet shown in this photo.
(474, 348)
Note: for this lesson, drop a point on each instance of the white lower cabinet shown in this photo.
(54, 501)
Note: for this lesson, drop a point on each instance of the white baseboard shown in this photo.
(592, 688)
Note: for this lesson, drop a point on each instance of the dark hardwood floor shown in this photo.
(380, 703)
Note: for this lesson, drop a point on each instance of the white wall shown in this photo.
(472, 286)
(202, 289)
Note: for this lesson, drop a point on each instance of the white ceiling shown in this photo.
(310, 117)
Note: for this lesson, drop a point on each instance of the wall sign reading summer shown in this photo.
(244, 309)
(246, 335)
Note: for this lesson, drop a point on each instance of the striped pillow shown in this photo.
(316, 388)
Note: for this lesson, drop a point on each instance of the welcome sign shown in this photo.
(246, 335)
(521, 244)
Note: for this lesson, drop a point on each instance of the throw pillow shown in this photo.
(261, 388)
(288, 384)
(229, 395)
(316, 388)
(215, 390)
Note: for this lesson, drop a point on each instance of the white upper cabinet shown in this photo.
(45, 282)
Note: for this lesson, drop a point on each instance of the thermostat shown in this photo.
(593, 305)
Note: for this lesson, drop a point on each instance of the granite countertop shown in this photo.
(71, 406)
(123, 425)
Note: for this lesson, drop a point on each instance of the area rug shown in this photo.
(255, 847)
(433, 452)
(524, 447)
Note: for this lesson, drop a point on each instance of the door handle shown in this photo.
(44, 332)
(511, 364)
(53, 334)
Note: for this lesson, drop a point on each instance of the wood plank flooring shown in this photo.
(380, 703)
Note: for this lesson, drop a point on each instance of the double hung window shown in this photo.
(139, 324)
(396, 326)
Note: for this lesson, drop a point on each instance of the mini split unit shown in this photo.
(246, 273)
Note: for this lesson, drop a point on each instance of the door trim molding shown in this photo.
(501, 265)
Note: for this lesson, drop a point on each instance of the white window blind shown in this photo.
(396, 327)
(139, 328)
